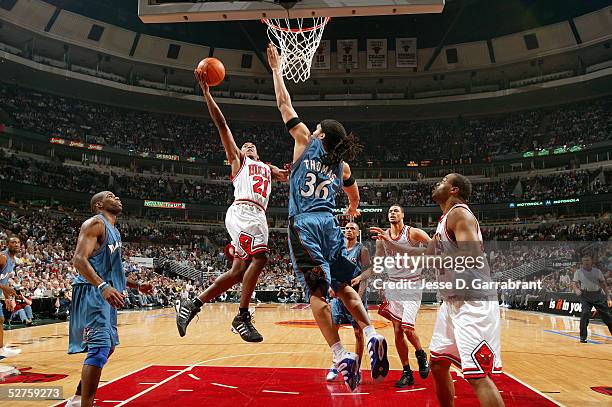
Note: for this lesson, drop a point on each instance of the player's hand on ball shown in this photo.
(113, 297)
(273, 57)
(378, 234)
(145, 288)
(201, 78)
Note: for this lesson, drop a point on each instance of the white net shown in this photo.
(297, 43)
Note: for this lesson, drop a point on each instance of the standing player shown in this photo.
(316, 244)
(358, 254)
(401, 306)
(466, 332)
(7, 266)
(246, 223)
(96, 293)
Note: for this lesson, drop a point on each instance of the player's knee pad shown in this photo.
(98, 356)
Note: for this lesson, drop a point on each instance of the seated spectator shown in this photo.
(282, 295)
(22, 307)
(62, 305)
(40, 291)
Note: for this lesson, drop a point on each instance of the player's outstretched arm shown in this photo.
(379, 234)
(232, 152)
(91, 231)
(278, 174)
(299, 132)
(351, 190)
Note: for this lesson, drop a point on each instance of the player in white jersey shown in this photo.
(246, 223)
(401, 306)
(466, 332)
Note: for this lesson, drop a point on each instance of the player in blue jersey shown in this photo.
(316, 244)
(358, 254)
(7, 266)
(97, 293)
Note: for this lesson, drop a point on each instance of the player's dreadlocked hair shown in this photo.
(339, 145)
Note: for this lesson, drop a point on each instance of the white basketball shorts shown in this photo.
(248, 227)
(468, 334)
(404, 312)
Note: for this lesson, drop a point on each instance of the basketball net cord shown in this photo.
(297, 44)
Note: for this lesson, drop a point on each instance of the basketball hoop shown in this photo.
(297, 44)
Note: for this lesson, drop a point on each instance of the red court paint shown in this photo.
(264, 387)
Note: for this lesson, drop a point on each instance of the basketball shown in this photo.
(214, 69)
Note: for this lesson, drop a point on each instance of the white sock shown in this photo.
(74, 401)
(6, 352)
(369, 331)
(338, 351)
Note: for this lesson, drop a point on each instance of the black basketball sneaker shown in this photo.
(406, 380)
(242, 325)
(185, 312)
(423, 363)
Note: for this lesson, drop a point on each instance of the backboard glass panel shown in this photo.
(164, 11)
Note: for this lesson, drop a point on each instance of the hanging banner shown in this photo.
(406, 52)
(321, 58)
(348, 54)
(377, 54)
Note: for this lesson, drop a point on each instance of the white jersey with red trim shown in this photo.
(396, 273)
(253, 183)
(447, 244)
(447, 247)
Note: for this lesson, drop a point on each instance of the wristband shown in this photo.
(103, 286)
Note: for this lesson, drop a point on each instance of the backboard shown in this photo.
(172, 11)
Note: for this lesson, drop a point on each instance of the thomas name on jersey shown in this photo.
(316, 165)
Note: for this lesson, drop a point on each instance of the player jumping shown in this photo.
(316, 243)
(246, 223)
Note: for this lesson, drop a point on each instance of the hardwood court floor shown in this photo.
(540, 350)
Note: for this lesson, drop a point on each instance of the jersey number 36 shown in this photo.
(311, 189)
